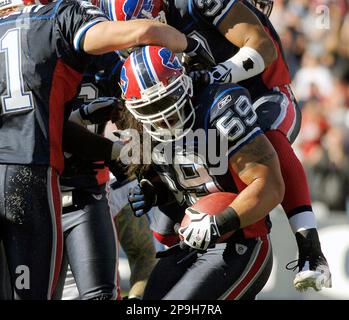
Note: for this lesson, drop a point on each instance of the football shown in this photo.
(212, 204)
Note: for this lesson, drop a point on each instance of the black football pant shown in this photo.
(5, 282)
(30, 229)
(90, 247)
(238, 269)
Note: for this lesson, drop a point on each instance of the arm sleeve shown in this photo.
(78, 140)
(212, 12)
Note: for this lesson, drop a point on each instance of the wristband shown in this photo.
(247, 63)
(228, 220)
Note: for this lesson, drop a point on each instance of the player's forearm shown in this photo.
(263, 44)
(257, 165)
(117, 35)
(242, 28)
(164, 35)
(257, 200)
(78, 140)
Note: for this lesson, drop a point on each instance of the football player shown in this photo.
(90, 245)
(44, 52)
(87, 212)
(248, 51)
(158, 94)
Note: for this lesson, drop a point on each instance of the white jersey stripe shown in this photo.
(83, 30)
(220, 17)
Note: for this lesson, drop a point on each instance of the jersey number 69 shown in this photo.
(233, 125)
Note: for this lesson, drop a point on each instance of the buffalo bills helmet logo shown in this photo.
(123, 80)
(147, 6)
(169, 60)
(133, 8)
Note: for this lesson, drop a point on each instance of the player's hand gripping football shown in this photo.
(201, 232)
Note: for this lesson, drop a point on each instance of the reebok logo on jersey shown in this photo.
(222, 103)
(240, 248)
(248, 64)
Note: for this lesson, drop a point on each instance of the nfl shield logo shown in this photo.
(240, 248)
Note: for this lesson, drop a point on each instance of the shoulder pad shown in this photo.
(232, 114)
(217, 98)
(211, 11)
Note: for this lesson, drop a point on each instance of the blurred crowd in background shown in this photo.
(315, 36)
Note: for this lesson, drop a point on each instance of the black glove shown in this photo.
(117, 168)
(201, 79)
(199, 54)
(142, 197)
(98, 111)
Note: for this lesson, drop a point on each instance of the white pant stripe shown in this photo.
(252, 261)
(54, 229)
(258, 272)
(283, 112)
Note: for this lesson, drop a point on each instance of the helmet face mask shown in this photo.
(167, 113)
(164, 105)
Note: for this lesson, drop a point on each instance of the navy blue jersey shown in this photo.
(225, 109)
(100, 80)
(224, 114)
(41, 68)
(201, 19)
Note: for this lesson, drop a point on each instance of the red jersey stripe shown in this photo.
(64, 88)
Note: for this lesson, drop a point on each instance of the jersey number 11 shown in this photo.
(16, 99)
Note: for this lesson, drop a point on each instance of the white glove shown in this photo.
(201, 232)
